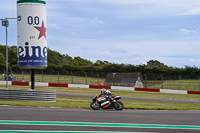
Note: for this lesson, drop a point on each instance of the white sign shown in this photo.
(32, 36)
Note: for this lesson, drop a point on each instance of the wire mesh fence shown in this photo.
(68, 78)
(176, 82)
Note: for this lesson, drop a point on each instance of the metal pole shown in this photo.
(22, 75)
(72, 76)
(58, 76)
(129, 80)
(180, 81)
(162, 80)
(113, 78)
(85, 77)
(32, 79)
(97, 78)
(6, 58)
(145, 79)
(42, 75)
(199, 82)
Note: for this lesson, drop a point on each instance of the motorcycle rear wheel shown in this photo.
(95, 106)
(119, 105)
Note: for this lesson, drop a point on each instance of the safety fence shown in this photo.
(68, 78)
(177, 82)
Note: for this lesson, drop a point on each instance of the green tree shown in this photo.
(68, 59)
(154, 63)
(54, 57)
(3, 50)
(83, 62)
(101, 63)
(2, 61)
(12, 55)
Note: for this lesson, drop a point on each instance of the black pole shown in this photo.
(72, 76)
(58, 76)
(85, 77)
(42, 75)
(32, 79)
(97, 78)
(129, 79)
(162, 80)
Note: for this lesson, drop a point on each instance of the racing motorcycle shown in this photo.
(105, 102)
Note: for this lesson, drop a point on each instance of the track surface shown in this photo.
(132, 98)
(54, 115)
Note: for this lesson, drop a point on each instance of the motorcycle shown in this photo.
(105, 102)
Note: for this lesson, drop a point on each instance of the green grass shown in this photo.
(87, 91)
(60, 102)
(85, 102)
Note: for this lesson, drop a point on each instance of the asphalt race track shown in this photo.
(36, 119)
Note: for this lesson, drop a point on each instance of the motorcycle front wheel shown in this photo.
(119, 105)
(95, 106)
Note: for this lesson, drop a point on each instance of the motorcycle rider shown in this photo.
(106, 100)
(106, 93)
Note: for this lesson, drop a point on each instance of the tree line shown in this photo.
(66, 64)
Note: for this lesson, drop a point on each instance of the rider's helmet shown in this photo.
(103, 91)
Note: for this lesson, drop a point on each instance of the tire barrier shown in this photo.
(27, 95)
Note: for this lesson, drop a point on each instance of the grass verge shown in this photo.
(123, 93)
(85, 103)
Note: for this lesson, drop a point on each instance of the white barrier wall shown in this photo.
(40, 84)
(173, 91)
(78, 86)
(122, 88)
(4, 82)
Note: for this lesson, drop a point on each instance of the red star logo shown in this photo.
(42, 30)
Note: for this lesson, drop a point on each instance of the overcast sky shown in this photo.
(119, 31)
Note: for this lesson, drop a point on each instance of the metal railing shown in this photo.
(29, 95)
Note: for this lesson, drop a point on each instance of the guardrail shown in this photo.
(29, 95)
